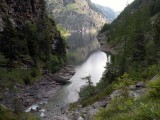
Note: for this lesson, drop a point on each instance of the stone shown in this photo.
(29, 101)
(100, 104)
(58, 118)
(76, 115)
(140, 84)
(80, 118)
(91, 113)
(132, 87)
(116, 93)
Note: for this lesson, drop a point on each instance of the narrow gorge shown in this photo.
(79, 60)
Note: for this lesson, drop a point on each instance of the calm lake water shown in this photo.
(87, 59)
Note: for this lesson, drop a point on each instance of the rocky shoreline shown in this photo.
(103, 46)
(40, 91)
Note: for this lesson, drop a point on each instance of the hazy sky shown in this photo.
(116, 5)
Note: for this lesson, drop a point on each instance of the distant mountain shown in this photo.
(76, 15)
(107, 12)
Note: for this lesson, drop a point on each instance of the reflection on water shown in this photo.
(92, 62)
(81, 46)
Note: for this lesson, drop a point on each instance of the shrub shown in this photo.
(27, 79)
(34, 72)
(53, 65)
(123, 81)
(155, 88)
(88, 90)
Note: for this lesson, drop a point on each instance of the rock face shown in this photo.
(76, 15)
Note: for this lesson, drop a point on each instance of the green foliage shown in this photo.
(123, 82)
(105, 27)
(135, 37)
(10, 45)
(7, 114)
(156, 31)
(101, 91)
(35, 40)
(27, 79)
(88, 90)
(18, 108)
(3, 60)
(32, 41)
(135, 41)
(125, 108)
(155, 7)
(63, 31)
(8, 78)
(55, 63)
(88, 80)
(155, 88)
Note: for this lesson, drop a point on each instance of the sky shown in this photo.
(116, 5)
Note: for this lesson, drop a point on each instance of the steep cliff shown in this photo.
(76, 15)
(26, 32)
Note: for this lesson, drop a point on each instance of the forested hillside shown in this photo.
(30, 45)
(76, 15)
(129, 88)
(134, 35)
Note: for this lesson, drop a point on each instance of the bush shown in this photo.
(155, 88)
(34, 72)
(123, 82)
(27, 79)
(53, 65)
(7, 114)
(87, 91)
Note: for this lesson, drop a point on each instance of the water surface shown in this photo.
(87, 59)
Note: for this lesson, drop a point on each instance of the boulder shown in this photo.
(80, 118)
(132, 87)
(102, 103)
(91, 113)
(116, 93)
(140, 84)
(58, 118)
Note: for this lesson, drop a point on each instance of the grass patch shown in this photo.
(7, 114)
(9, 78)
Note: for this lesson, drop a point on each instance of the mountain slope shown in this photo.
(107, 12)
(134, 37)
(76, 15)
